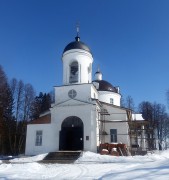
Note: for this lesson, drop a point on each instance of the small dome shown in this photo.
(77, 44)
(97, 72)
(105, 86)
(98, 75)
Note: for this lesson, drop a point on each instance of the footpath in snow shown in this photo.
(90, 166)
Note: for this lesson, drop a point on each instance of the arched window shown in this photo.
(74, 72)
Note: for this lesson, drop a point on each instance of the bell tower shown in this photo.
(77, 62)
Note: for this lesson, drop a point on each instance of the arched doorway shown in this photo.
(71, 134)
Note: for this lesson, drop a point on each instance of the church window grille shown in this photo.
(38, 141)
(113, 135)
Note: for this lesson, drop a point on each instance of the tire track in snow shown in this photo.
(54, 170)
(83, 171)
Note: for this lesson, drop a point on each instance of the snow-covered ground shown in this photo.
(90, 166)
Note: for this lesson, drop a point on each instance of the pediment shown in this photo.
(72, 102)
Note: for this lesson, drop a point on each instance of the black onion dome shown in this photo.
(105, 86)
(77, 45)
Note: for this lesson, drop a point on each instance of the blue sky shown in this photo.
(129, 40)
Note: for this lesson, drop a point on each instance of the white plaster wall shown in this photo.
(81, 106)
(116, 113)
(86, 112)
(118, 116)
(105, 96)
(84, 92)
(49, 137)
(94, 92)
(84, 60)
(122, 132)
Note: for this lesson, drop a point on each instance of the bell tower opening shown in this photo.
(74, 72)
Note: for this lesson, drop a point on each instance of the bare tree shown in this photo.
(130, 103)
(161, 119)
(23, 95)
(122, 103)
(158, 127)
(146, 108)
(28, 97)
(13, 86)
(19, 100)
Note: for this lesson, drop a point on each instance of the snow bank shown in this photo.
(90, 157)
(164, 154)
(91, 166)
(28, 159)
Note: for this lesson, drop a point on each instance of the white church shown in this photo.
(86, 112)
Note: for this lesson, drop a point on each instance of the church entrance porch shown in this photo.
(71, 134)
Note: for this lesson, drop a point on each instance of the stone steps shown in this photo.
(62, 157)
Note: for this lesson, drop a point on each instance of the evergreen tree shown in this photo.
(15, 102)
(46, 102)
(6, 118)
(41, 104)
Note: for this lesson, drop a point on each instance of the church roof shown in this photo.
(77, 44)
(105, 86)
(42, 120)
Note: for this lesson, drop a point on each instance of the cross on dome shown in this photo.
(77, 38)
(77, 28)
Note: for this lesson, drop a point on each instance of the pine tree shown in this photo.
(41, 104)
(6, 118)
